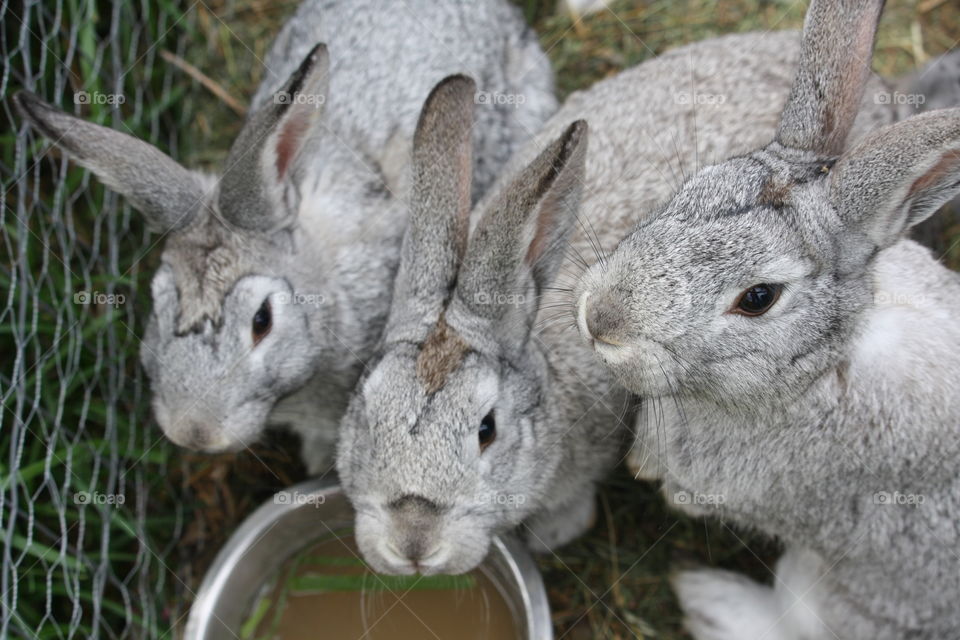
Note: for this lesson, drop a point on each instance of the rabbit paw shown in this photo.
(720, 605)
(549, 530)
(645, 458)
(317, 450)
(317, 461)
(644, 463)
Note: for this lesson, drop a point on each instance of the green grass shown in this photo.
(75, 417)
(85, 401)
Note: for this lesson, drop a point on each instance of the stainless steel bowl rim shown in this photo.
(203, 618)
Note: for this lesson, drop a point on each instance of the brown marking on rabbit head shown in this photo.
(775, 192)
(442, 353)
(207, 258)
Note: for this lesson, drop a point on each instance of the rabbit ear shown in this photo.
(524, 232)
(252, 190)
(834, 67)
(898, 176)
(168, 195)
(440, 200)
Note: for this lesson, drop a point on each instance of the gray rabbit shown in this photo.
(472, 421)
(276, 277)
(482, 410)
(798, 357)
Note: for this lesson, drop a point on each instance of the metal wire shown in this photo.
(87, 514)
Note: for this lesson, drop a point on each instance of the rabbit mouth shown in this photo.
(401, 550)
(387, 558)
(610, 352)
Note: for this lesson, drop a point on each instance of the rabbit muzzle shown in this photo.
(413, 535)
(201, 437)
(410, 546)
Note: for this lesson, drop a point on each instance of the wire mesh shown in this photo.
(87, 515)
(92, 499)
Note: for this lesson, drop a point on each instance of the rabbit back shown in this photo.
(653, 125)
(376, 91)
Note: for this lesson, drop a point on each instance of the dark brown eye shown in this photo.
(488, 431)
(262, 322)
(757, 300)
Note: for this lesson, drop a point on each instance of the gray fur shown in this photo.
(646, 134)
(395, 52)
(254, 189)
(399, 441)
(800, 422)
(433, 247)
(170, 197)
(320, 240)
(824, 126)
(428, 497)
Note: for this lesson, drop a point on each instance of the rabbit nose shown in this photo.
(601, 317)
(419, 549)
(191, 436)
(415, 505)
(416, 519)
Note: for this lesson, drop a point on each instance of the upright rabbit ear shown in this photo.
(439, 203)
(898, 176)
(834, 67)
(168, 195)
(524, 232)
(255, 192)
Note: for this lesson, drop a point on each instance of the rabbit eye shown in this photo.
(488, 431)
(757, 300)
(262, 322)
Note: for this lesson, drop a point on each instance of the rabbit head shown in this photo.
(748, 284)
(229, 334)
(446, 441)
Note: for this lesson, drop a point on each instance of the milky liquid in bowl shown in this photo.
(327, 592)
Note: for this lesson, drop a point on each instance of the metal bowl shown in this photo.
(307, 513)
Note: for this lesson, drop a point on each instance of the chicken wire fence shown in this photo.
(88, 510)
